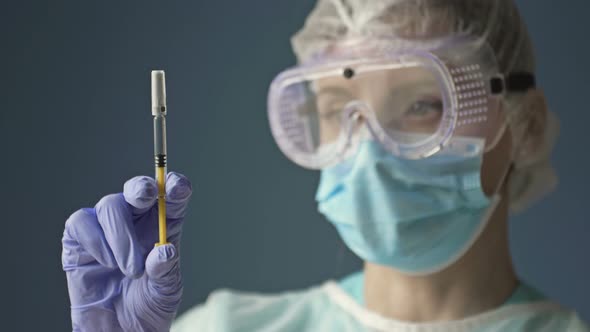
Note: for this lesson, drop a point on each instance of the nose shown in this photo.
(355, 122)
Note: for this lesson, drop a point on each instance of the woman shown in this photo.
(425, 122)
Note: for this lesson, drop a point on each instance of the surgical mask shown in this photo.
(417, 216)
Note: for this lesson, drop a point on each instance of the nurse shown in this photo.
(425, 123)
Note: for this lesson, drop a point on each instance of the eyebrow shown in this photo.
(401, 90)
(333, 90)
(420, 87)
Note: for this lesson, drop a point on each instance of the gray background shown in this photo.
(75, 124)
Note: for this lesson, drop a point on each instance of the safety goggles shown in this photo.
(415, 102)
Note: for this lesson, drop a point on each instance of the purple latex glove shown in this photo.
(117, 279)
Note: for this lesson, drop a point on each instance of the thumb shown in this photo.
(152, 301)
(163, 271)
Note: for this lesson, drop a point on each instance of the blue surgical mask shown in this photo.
(417, 216)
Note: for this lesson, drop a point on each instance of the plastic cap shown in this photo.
(158, 92)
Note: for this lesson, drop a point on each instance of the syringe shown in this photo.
(159, 113)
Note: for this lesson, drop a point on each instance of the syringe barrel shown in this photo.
(160, 140)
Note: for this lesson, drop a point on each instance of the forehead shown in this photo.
(378, 79)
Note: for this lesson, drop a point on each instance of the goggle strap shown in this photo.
(514, 82)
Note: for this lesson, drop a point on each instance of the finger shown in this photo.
(115, 218)
(178, 194)
(84, 241)
(162, 265)
(164, 278)
(159, 291)
(141, 192)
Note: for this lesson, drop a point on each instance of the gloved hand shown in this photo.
(117, 279)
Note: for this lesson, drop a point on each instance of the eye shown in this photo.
(424, 110)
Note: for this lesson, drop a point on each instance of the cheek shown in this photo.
(329, 130)
(489, 129)
(498, 159)
(495, 164)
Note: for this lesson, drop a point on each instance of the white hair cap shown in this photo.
(496, 22)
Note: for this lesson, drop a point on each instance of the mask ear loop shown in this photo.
(514, 82)
(508, 169)
(515, 153)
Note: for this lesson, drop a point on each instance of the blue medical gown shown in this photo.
(338, 306)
